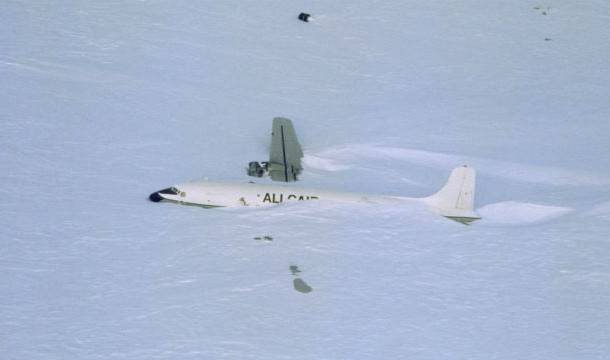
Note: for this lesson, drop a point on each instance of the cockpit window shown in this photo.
(170, 191)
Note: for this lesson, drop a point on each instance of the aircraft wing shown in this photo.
(286, 153)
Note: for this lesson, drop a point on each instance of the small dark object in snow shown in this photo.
(547, 39)
(304, 17)
(266, 238)
(294, 269)
(301, 286)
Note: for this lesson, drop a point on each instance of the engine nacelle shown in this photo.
(257, 169)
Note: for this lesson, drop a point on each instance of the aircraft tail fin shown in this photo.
(285, 153)
(456, 199)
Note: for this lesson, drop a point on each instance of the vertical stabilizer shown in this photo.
(456, 199)
(286, 153)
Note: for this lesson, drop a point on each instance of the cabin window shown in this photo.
(170, 191)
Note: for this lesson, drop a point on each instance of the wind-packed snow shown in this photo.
(104, 102)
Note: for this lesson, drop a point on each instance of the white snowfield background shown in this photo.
(104, 102)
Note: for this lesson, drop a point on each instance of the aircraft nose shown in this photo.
(155, 197)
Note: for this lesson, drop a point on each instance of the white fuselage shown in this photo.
(455, 200)
(226, 194)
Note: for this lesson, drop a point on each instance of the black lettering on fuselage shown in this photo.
(277, 198)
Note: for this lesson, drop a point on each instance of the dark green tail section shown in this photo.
(286, 153)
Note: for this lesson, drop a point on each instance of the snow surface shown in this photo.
(103, 102)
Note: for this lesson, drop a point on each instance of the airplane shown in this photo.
(455, 200)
